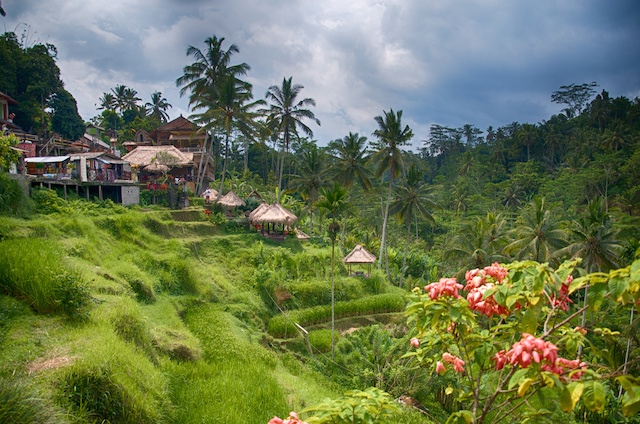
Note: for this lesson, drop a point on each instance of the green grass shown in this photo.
(33, 270)
(175, 330)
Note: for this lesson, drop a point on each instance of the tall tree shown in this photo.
(391, 137)
(479, 242)
(594, 239)
(107, 102)
(286, 113)
(157, 107)
(201, 80)
(65, 120)
(310, 178)
(538, 235)
(527, 136)
(575, 97)
(228, 106)
(411, 201)
(334, 202)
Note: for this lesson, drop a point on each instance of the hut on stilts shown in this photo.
(359, 256)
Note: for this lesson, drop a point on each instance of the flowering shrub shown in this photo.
(293, 419)
(514, 335)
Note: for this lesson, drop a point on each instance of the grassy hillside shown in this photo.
(131, 316)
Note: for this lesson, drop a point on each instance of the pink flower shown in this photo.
(497, 272)
(443, 287)
(527, 351)
(485, 305)
(292, 419)
(415, 342)
(458, 364)
(440, 369)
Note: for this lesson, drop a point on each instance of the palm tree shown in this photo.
(120, 94)
(594, 239)
(538, 236)
(349, 164)
(411, 200)
(349, 161)
(201, 79)
(334, 202)
(158, 106)
(130, 99)
(479, 243)
(310, 178)
(286, 113)
(209, 66)
(227, 106)
(527, 135)
(107, 102)
(389, 157)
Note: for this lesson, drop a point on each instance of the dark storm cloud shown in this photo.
(485, 62)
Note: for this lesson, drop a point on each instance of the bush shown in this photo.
(320, 340)
(31, 270)
(12, 198)
(282, 325)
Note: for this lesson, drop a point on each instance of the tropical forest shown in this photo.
(501, 285)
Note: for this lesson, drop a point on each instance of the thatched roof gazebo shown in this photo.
(231, 200)
(272, 214)
(359, 255)
(258, 211)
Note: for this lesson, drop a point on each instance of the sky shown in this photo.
(447, 62)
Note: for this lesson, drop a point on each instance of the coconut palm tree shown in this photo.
(310, 178)
(227, 105)
(107, 102)
(201, 79)
(209, 66)
(348, 165)
(537, 236)
(594, 239)
(349, 161)
(158, 106)
(411, 201)
(334, 202)
(391, 137)
(479, 243)
(120, 94)
(286, 113)
(527, 135)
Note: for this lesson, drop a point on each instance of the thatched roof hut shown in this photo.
(258, 211)
(147, 155)
(359, 255)
(231, 200)
(275, 214)
(266, 214)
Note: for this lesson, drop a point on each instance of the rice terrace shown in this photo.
(228, 267)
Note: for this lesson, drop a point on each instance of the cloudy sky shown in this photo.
(451, 62)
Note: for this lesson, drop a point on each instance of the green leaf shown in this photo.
(516, 377)
(460, 417)
(571, 395)
(538, 282)
(530, 321)
(594, 395)
(618, 286)
(631, 399)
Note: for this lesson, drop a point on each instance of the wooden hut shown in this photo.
(272, 214)
(358, 256)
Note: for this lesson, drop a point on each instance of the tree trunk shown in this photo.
(404, 258)
(224, 165)
(333, 303)
(384, 230)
